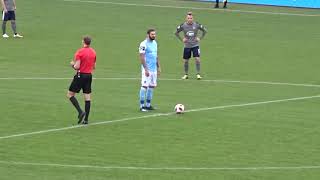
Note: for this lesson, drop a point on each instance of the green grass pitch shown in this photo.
(239, 128)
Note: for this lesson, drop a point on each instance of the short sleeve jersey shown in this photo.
(87, 58)
(9, 5)
(150, 50)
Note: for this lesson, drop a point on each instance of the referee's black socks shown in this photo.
(87, 109)
(76, 104)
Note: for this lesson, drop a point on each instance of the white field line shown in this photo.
(194, 8)
(161, 79)
(160, 168)
(159, 114)
(59, 78)
(264, 82)
(77, 126)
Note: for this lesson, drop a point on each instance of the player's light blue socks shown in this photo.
(142, 96)
(149, 96)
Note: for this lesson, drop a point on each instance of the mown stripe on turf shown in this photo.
(159, 114)
(168, 79)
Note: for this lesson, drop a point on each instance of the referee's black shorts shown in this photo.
(81, 81)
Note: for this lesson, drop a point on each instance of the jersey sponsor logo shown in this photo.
(142, 48)
(190, 33)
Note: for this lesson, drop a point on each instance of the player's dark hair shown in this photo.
(189, 13)
(87, 40)
(150, 30)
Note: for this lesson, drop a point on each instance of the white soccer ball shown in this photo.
(179, 108)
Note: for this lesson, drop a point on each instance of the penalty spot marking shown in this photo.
(159, 114)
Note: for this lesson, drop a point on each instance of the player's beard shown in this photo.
(152, 38)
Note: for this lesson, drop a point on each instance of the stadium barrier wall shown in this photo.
(288, 3)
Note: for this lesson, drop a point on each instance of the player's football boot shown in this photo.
(17, 36)
(199, 77)
(143, 109)
(150, 108)
(5, 36)
(185, 76)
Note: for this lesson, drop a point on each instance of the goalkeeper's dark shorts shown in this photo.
(9, 15)
(194, 50)
(81, 81)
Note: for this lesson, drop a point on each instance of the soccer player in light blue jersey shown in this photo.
(150, 69)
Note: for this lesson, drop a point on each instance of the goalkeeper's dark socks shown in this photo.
(87, 110)
(14, 27)
(186, 67)
(75, 103)
(198, 65)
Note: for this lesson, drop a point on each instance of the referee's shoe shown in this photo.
(185, 76)
(81, 117)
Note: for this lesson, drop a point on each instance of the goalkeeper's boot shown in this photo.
(199, 77)
(185, 76)
(17, 36)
